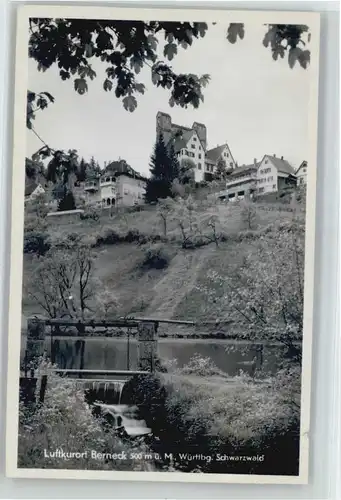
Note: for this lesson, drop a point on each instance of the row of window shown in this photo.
(265, 170)
(264, 179)
(261, 190)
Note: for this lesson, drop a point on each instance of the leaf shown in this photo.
(136, 63)
(129, 103)
(31, 96)
(202, 28)
(152, 42)
(42, 103)
(278, 51)
(155, 77)
(80, 86)
(204, 80)
(304, 58)
(89, 50)
(65, 75)
(234, 31)
(107, 85)
(48, 95)
(293, 56)
(139, 87)
(91, 73)
(170, 50)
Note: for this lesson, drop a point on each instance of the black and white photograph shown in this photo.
(162, 244)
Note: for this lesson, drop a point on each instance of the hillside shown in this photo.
(175, 288)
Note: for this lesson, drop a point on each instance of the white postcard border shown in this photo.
(17, 223)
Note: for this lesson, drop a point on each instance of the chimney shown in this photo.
(274, 155)
(281, 157)
(255, 162)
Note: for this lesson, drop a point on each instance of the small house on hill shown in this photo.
(118, 185)
(32, 190)
(275, 174)
(301, 174)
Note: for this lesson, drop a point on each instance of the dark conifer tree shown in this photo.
(164, 168)
(67, 202)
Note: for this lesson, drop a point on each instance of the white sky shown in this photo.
(259, 106)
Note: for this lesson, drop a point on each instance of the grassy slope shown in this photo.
(171, 292)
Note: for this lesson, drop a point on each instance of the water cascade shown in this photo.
(124, 416)
(103, 390)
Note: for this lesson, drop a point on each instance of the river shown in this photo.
(115, 354)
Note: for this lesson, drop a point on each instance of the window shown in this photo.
(304, 170)
(231, 164)
(260, 190)
(189, 153)
(199, 156)
(194, 138)
(231, 196)
(199, 148)
(274, 186)
(126, 191)
(107, 179)
(271, 178)
(193, 146)
(265, 161)
(199, 166)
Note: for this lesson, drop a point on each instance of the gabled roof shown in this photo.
(121, 167)
(245, 169)
(215, 153)
(303, 164)
(281, 165)
(30, 187)
(179, 139)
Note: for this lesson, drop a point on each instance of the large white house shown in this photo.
(270, 175)
(190, 143)
(274, 174)
(119, 185)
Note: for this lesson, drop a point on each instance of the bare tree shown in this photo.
(249, 214)
(62, 281)
(164, 210)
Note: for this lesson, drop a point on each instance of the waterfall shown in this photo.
(125, 416)
(104, 390)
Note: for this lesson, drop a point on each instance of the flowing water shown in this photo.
(124, 416)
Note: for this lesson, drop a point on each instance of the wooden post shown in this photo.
(35, 339)
(147, 346)
(43, 382)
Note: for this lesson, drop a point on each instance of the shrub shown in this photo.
(66, 422)
(36, 243)
(91, 213)
(199, 365)
(67, 202)
(155, 257)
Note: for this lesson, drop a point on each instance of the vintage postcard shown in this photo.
(162, 253)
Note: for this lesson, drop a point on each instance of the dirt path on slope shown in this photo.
(177, 283)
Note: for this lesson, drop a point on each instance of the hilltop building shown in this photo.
(118, 185)
(33, 189)
(270, 175)
(190, 143)
(301, 173)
